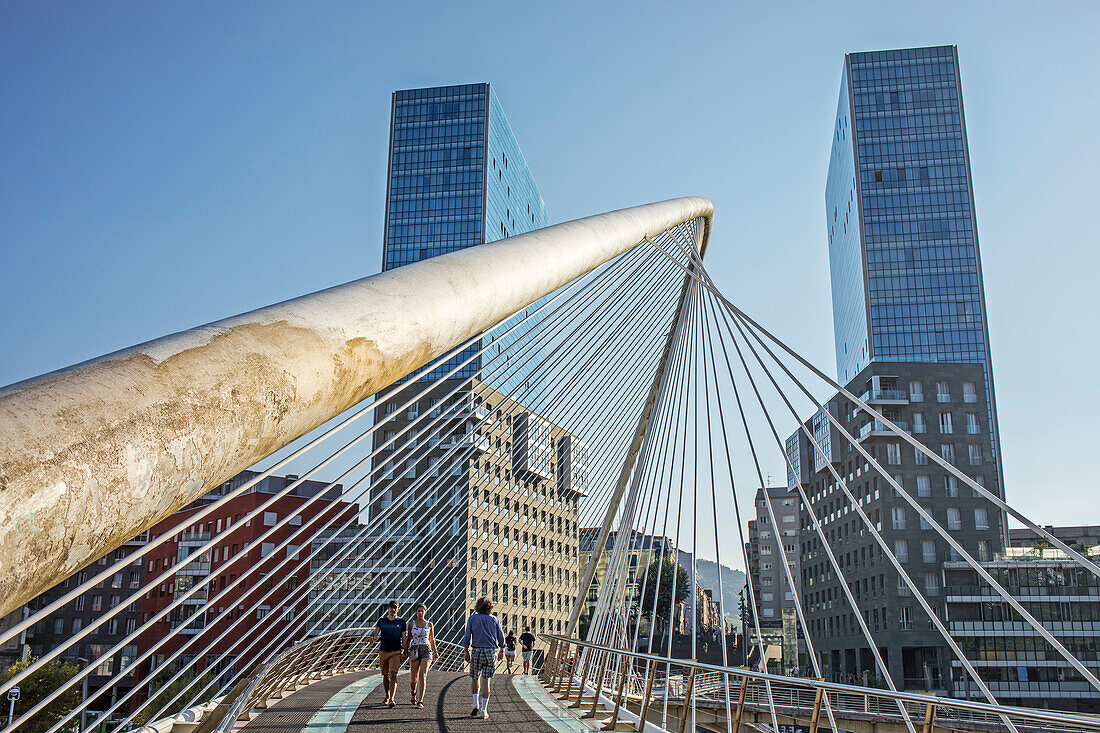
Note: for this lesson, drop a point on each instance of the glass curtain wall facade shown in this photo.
(903, 243)
(457, 178)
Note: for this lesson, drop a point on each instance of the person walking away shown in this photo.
(510, 649)
(390, 632)
(484, 647)
(527, 639)
(421, 651)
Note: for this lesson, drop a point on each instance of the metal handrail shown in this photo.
(341, 650)
(288, 660)
(801, 692)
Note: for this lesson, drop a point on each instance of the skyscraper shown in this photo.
(911, 341)
(457, 178)
(903, 239)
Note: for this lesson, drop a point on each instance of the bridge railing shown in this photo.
(643, 686)
(309, 661)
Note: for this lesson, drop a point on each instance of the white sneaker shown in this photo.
(484, 714)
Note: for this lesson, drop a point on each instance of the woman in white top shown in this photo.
(422, 650)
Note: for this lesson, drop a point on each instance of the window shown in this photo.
(972, 423)
(924, 485)
(270, 518)
(928, 550)
(916, 392)
(901, 550)
(924, 523)
(919, 425)
(947, 452)
(980, 481)
(984, 552)
(950, 486)
(981, 518)
(267, 548)
(77, 624)
(919, 457)
(893, 454)
(905, 617)
(931, 583)
(954, 518)
(975, 452)
(943, 392)
(58, 626)
(970, 393)
(945, 423)
(262, 611)
(97, 603)
(897, 517)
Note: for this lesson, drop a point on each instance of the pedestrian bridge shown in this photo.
(331, 684)
(465, 416)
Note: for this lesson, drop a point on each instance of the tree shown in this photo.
(188, 684)
(42, 682)
(667, 571)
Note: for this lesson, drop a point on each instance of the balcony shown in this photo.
(885, 397)
(194, 538)
(878, 429)
(472, 439)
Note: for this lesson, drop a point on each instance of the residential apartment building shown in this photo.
(643, 550)
(270, 588)
(491, 508)
(79, 613)
(912, 340)
(768, 548)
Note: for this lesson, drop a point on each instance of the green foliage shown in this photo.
(667, 571)
(41, 683)
(188, 684)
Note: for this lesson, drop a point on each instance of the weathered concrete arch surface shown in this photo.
(96, 453)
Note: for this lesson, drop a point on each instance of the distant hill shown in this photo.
(707, 576)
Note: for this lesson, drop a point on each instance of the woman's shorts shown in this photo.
(510, 653)
(420, 651)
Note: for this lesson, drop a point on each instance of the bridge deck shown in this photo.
(446, 708)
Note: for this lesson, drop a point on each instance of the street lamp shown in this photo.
(13, 695)
(83, 699)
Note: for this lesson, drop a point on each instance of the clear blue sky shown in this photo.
(165, 165)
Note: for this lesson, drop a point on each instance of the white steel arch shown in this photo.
(97, 452)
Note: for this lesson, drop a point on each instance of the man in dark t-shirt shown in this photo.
(527, 639)
(390, 632)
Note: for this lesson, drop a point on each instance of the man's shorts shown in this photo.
(483, 662)
(390, 662)
(420, 651)
(527, 654)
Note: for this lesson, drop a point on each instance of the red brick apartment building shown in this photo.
(233, 556)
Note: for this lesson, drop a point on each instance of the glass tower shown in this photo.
(903, 242)
(457, 178)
